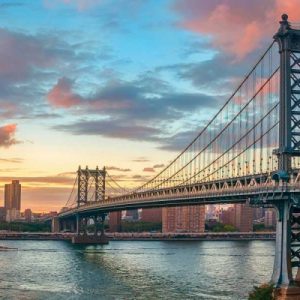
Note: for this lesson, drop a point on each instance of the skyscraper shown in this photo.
(12, 196)
(183, 219)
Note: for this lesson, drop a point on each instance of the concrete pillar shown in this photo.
(282, 271)
(77, 224)
(55, 225)
(102, 224)
(73, 226)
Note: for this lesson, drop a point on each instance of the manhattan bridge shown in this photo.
(248, 152)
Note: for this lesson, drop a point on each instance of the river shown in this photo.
(134, 269)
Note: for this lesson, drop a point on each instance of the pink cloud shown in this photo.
(7, 133)
(236, 27)
(61, 94)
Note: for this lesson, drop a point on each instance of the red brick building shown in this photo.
(183, 219)
(114, 221)
(151, 215)
(227, 216)
(240, 216)
(243, 217)
(270, 218)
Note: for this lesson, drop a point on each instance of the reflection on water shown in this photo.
(134, 270)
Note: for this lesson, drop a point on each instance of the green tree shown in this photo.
(229, 228)
(263, 292)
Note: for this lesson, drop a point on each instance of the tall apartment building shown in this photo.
(243, 217)
(114, 221)
(270, 218)
(183, 219)
(227, 216)
(28, 215)
(12, 200)
(240, 216)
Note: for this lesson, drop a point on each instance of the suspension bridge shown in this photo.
(248, 152)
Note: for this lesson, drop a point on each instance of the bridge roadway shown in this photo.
(256, 189)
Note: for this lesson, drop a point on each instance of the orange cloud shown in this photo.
(291, 7)
(148, 170)
(7, 133)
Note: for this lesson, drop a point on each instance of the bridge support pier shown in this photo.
(55, 225)
(84, 237)
(287, 287)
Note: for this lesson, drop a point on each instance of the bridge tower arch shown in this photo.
(86, 177)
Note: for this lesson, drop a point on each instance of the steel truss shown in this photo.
(87, 177)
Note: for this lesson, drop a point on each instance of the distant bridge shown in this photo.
(248, 152)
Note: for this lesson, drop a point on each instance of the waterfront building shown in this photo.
(240, 216)
(183, 219)
(151, 215)
(210, 212)
(243, 217)
(114, 221)
(270, 218)
(12, 200)
(28, 215)
(227, 216)
(258, 213)
(131, 215)
(2, 214)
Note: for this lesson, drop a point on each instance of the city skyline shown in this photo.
(100, 76)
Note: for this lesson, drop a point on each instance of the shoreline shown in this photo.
(208, 236)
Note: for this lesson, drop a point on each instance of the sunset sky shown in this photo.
(124, 84)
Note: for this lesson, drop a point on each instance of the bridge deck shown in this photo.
(236, 190)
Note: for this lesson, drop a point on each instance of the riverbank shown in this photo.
(207, 236)
(145, 236)
(44, 236)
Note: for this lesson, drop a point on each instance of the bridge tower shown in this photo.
(287, 254)
(85, 178)
(93, 180)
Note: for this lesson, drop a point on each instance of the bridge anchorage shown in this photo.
(231, 160)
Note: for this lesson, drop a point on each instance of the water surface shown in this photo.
(134, 269)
